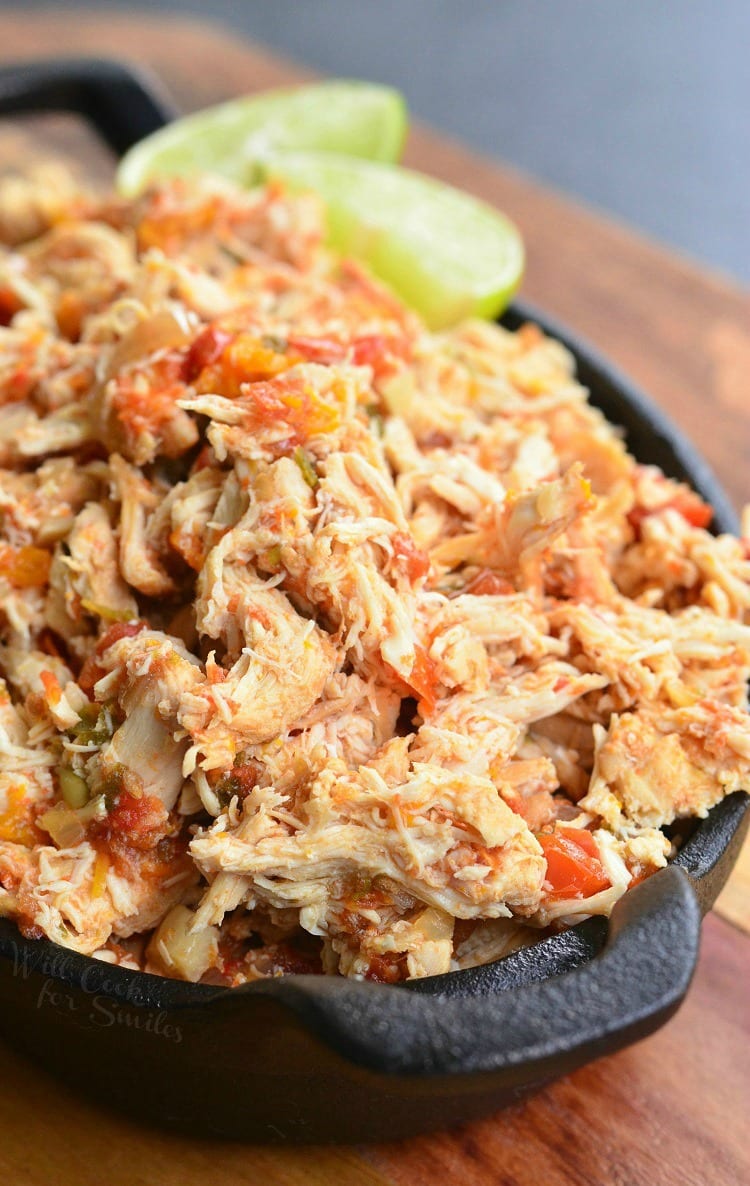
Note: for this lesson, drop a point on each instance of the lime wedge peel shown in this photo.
(445, 253)
(352, 118)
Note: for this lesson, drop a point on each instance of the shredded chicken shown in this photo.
(327, 644)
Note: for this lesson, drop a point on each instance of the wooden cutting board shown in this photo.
(671, 1111)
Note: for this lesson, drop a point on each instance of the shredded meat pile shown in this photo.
(328, 644)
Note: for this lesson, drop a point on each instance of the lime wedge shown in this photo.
(354, 118)
(443, 252)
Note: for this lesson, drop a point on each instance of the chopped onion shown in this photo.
(63, 825)
(434, 924)
(178, 950)
(159, 332)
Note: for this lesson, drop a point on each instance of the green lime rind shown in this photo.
(445, 253)
(352, 118)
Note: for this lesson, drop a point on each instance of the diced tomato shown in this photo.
(688, 504)
(421, 684)
(637, 878)
(369, 349)
(9, 304)
(697, 512)
(413, 560)
(379, 351)
(89, 675)
(423, 679)
(291, 402)
(205, 350)
(29, 928)
(574, 869)
(117, 631)
(323, 350)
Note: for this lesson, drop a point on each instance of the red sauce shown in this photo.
(292, 961)
(140, 817)
(386, 969)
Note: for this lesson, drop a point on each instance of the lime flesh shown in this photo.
(353, 118)
(442, 251)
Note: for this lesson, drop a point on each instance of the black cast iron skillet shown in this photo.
(310, 1058)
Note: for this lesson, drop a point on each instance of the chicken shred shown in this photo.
(327, 644)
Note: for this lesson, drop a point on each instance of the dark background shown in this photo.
(638, 107)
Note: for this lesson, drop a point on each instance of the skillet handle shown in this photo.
(526, 1032)
(542, 1011)
(122, 103)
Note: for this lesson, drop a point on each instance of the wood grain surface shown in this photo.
(668, 1111)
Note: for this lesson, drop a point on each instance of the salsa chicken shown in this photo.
(327, 644)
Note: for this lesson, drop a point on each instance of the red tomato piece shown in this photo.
(378, 351)
(574, 869)
(117, 631)
(686, 502)
(206, 349)
(412, 560)
(323, 350)
(423, 679)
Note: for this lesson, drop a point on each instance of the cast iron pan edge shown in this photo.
(340, 1059)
